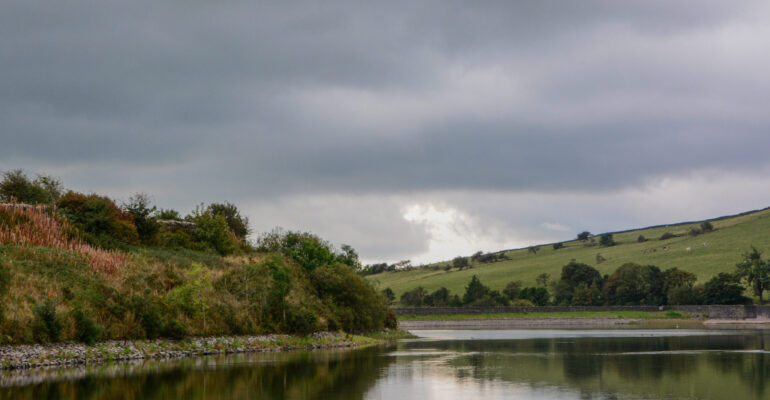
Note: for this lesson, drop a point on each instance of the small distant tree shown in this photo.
(388, 293)
(512, 290)
(706, 227)
(16, 186)
(557, 246)
(606, 240)
(414, 297)
(641, 239)
(476, 256)
(755, 272)
(533, 249)
(474, 291)
(237, 223)
(585, 295)
(139, 206)
(537, 295)
(460, 262)
(169, 214)
(667, 235)
(349, 257)
(583, 236)
(439, 298)
(542, 279)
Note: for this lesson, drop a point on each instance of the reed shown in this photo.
(39, 225)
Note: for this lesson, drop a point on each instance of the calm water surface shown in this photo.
(446, 365)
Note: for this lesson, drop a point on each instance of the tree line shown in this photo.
(630, 284)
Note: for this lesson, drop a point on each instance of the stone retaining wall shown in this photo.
(712, 311)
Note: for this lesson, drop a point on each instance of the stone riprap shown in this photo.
(69, 354)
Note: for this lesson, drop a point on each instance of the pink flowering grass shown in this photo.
(27, 225)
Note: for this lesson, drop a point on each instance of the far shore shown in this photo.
(539, 322)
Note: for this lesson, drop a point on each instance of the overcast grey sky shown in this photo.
(410, 130)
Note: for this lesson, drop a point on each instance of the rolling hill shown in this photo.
(710, 253)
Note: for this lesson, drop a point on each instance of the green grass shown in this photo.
(731, 238)
(570, 314)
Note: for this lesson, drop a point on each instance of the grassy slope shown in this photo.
(732, 237)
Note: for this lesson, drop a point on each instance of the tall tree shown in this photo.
(755, 272)
(237, 223)
(474, 291)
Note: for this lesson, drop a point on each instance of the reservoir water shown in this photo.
(445, 365)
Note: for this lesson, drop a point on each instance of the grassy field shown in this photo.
(723, 249)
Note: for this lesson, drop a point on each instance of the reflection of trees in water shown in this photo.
(346, 375)
(752, 368)
(633, 364)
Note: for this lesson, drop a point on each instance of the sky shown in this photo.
(417, 130)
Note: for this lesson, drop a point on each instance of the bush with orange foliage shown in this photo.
(26, 225)
(99, 220)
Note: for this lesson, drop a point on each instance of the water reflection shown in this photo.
(556, 364)
(297, 375)
(579, 364)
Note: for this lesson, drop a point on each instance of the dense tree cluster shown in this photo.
(631, 284)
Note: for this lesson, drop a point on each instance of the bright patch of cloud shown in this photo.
(555, 226)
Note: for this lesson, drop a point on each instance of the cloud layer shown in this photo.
(371, 122)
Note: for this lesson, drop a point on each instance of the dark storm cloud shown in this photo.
(239, 101)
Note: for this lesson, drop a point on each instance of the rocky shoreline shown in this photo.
(72, 354)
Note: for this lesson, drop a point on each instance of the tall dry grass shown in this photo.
(27, 225)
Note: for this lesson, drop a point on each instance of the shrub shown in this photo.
(685, 295)
(724, 288)
(100, 221)
(694, 232)
(47, 324)
(583, 236)
(439, 298)
(606, 239)
(537, 295)
(171, 215)
(388, 293)
(641, 239)
(586, 295)
(391, 320)
(557, 246)
(666, 236)
(237, 223)
(414, 297)
(17, 187)
(356, 305)
(192, 297)
(213, 231)
(174, 329)
(86, 330)
(522, 303)
(512, 290)
(307, 249)
(706, 227)
(460, 262)
(301, 322)
(139, 207)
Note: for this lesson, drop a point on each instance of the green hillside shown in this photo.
(731, 237)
